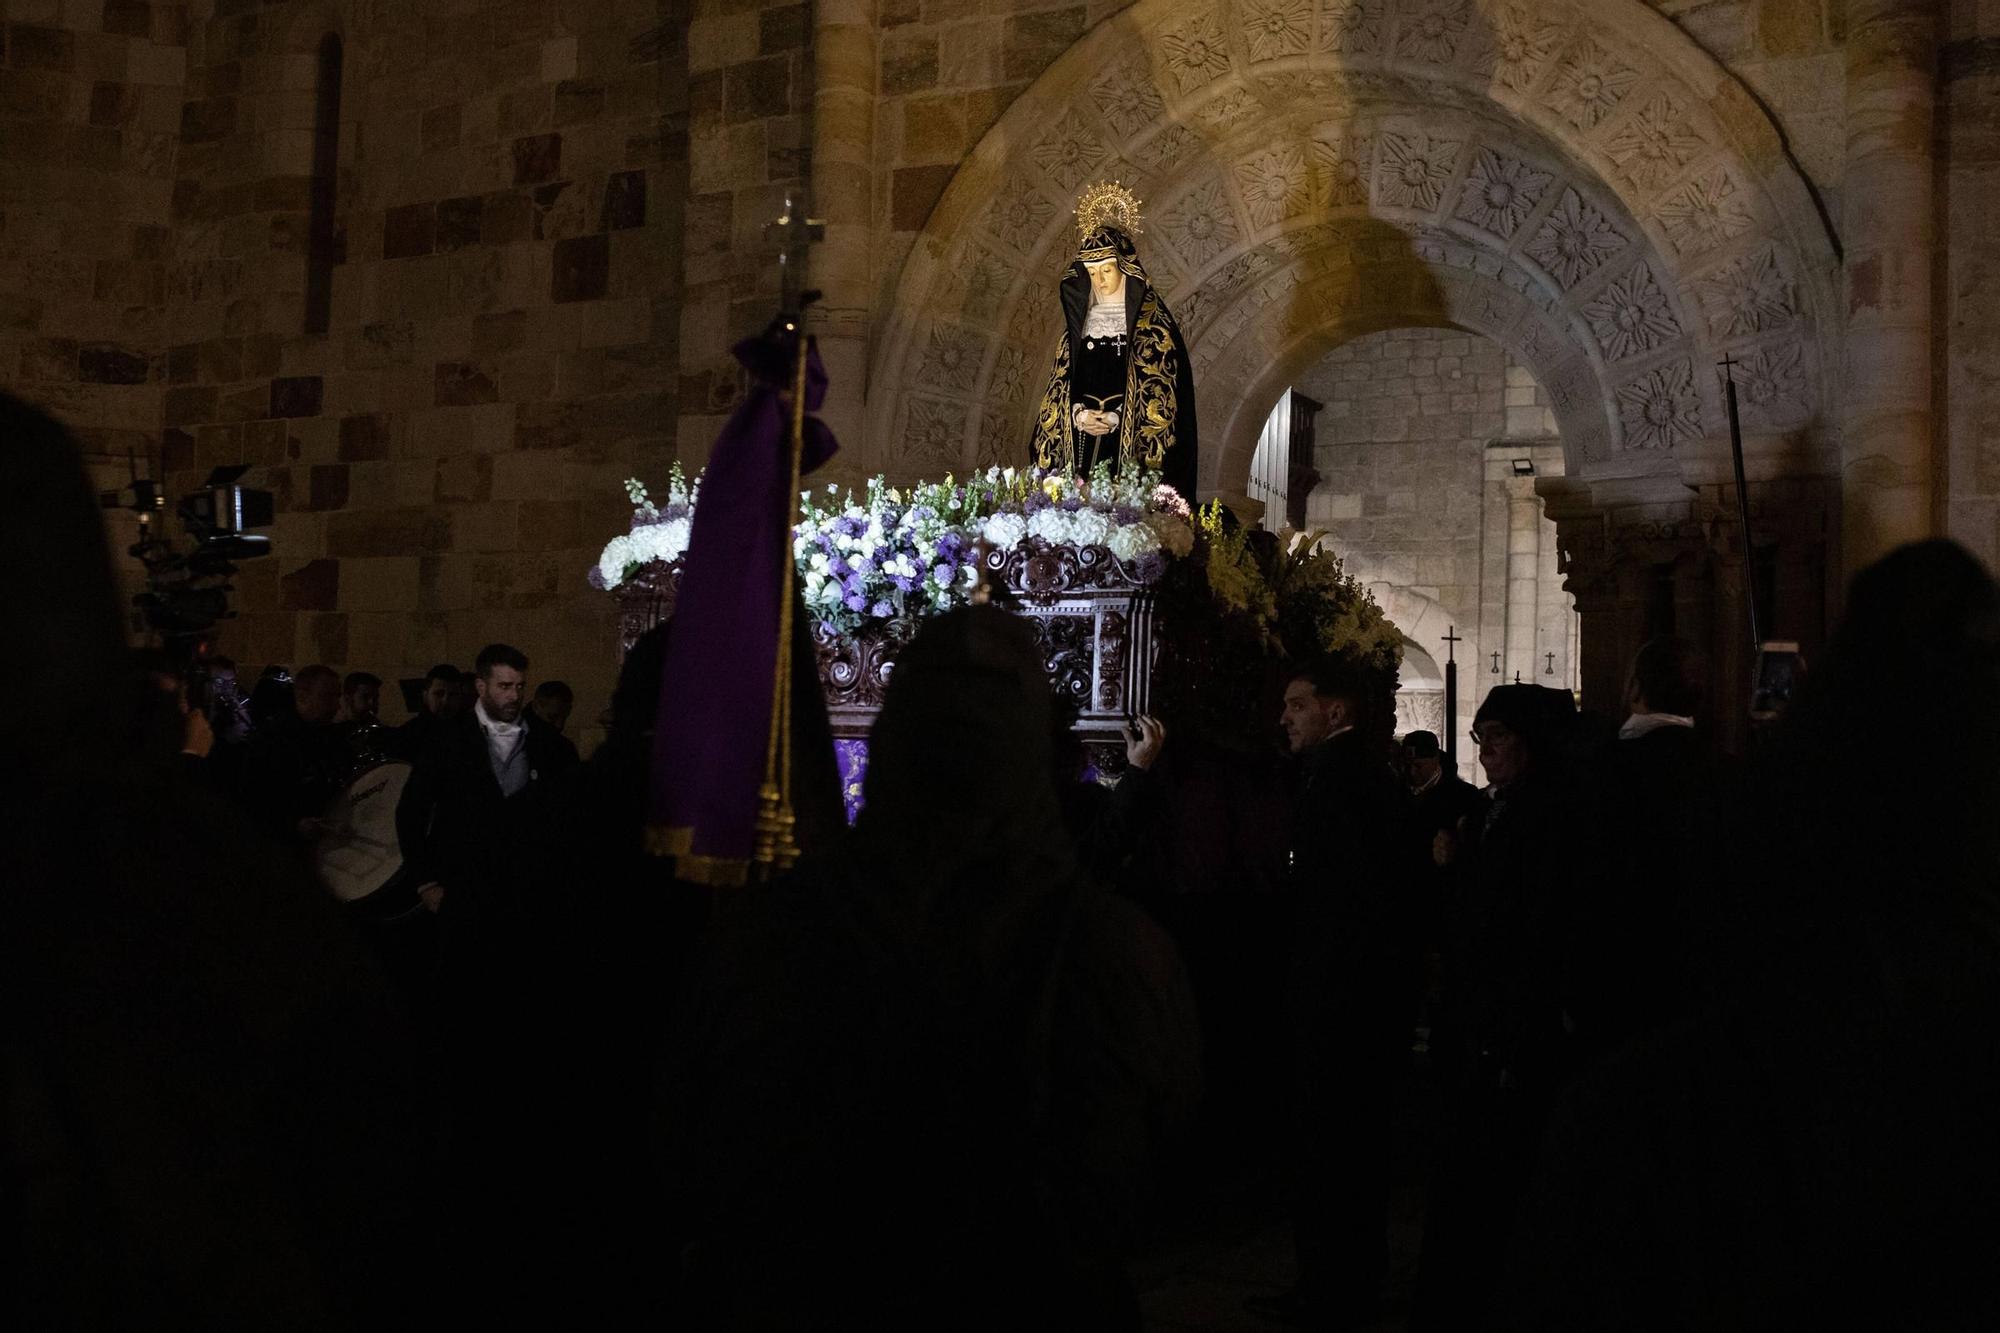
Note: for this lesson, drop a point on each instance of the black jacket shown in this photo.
(1353, 858)
(457, 829)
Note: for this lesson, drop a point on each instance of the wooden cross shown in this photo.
(794, 232)
(1496, 663)
(1451, 642)
(1552, 664)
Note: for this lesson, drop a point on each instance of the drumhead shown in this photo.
(359, 853)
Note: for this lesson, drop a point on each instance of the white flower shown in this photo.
(817, 564)
(1051, 525)
(611, 564)
(1133, 540)
(1089, 528)
(661, 541)
(1176, 534)
(1004, 530)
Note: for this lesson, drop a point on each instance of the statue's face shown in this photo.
(1106, 280)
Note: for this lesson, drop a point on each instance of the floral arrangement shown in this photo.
(657, 533)
(1235, 577)
(1137, 518)
(1322, 610)
(891, 554)
(896, 552)
(1249, 606)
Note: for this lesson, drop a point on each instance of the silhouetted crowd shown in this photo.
(1703, 1045)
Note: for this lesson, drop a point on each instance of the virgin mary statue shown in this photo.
(1122, 390)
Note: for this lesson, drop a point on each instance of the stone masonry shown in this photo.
(1415, 447)
(549, 225)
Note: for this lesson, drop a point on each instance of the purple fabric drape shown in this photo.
(715, 688)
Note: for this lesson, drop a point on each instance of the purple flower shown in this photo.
(854, 601)
(903, 583)
(855, 589)
(950, 546)
(1150, 566)
(882, 610)
(1124, 514)
(1071, 505)
(1034, 504)
(595, 578)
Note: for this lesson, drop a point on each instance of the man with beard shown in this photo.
(469, 812)
(477, 823)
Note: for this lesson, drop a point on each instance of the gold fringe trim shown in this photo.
(721, 872)
(716, 871)
(664, 841)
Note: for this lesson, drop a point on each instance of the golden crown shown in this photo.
(1107, 202)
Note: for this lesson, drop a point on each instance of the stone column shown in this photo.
(1524, 578)
(843, 182)
(1887, 226)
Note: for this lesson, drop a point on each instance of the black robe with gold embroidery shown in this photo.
(1149, 381)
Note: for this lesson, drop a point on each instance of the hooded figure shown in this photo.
(1122, 390)
(211, 1116)
(936, 1062)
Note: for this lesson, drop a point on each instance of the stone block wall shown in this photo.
(91, 94)
(749, 71)
(1415, 446)
(948, 69)
(504, 326)
(1967, 311)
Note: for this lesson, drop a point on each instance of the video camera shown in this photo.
(187, 591)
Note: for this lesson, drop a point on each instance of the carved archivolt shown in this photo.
(1553, 173)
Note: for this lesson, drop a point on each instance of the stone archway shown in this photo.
(1573, 178)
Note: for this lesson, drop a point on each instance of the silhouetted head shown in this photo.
(361, 697)
(316, 695)
(1422, 757)
(552, 703)
(1665, 678)
(439, 682)
(1320, 701)
(1522, 729)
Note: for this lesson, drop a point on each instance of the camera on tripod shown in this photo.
(187, 591)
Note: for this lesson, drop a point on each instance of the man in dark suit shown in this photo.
(475, 817)
(1354, 992)
(434, 707)
(1656, 818)
(478, 824)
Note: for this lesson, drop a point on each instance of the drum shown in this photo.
(359, 859)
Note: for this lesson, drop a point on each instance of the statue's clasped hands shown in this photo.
(1093, 422)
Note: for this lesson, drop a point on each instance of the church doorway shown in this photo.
(1423, 447)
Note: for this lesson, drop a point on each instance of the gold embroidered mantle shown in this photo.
(1146, 424)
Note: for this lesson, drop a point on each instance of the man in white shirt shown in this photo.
(472, 819)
